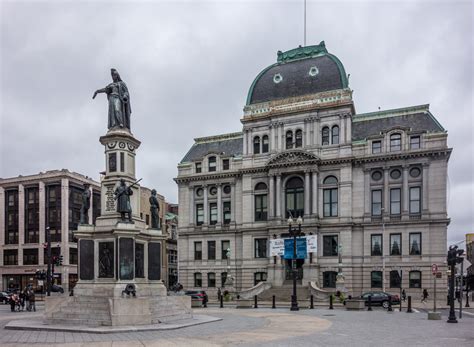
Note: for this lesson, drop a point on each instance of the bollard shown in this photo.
(273, 301)
(222, 301)
(311, 303)
(409, 310)
(467, 300)
(330, 302)
(370, 303)
(389, 309)
(255, 301)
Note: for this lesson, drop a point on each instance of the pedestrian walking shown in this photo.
(424, 296)
(219, 293)
(404, 295)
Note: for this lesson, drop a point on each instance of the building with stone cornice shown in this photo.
(371, 186)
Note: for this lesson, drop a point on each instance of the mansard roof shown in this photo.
(226, 145)
(416, 119)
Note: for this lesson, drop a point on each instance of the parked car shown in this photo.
(57, 289)
(380, 298)
(4, 297)
(196, 294)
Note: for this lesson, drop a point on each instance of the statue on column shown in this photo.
(122, 195)
(119, 102)
(154, 210)
(86, 202)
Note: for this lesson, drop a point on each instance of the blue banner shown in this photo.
(300, 248)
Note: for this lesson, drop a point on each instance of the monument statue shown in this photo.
(86, 202)
(119, 102)
(122, 195)
(154, 210)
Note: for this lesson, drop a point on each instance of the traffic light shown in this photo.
(455, 255)
(60, 260)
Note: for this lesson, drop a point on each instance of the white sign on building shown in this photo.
(277, 247)
(312, 244)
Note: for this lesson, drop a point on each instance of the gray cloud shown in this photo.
(189, 65)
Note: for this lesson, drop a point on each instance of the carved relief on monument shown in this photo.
(106, 259)
(109, 198)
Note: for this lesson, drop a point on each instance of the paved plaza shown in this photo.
(267, 327)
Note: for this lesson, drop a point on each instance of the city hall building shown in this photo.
(371, 187)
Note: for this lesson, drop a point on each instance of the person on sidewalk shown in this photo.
(424, 296)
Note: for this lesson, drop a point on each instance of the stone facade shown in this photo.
(372, 187)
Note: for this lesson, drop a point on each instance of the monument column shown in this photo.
(278, 196)
(21, 222)
(42, 220)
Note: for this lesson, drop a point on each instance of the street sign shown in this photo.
(434, 269)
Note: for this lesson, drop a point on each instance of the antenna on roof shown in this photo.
(304, 41)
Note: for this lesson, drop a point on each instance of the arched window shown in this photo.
(330, 197)
(395, 142)
(335, 135)
(212, 164)
(260, 202)
(294, 197)
(299, 138)
(265, 144)
(415, 279)
(289, 139)
(325, 136)
(256, 145)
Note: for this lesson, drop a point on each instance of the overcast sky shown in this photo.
(189, 65)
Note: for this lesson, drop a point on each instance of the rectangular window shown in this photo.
(10, 257)
(330, 245)
(259, 277)
(260, 248)
(415, 279)
(415, 200)
(30, 256)
(198, 167)
(376, 202)
(415, 142)
(225, 245)
(225, 164)
(227, 212)
(395, 200)
(329, 279)
(395, 244)
(213, 213)
(73, 256)
(415, 243)
(330, 200)
(376, 279)
(395, 142)
(198, 250)
(197, 279)
(211, 279)
(260, 207)
(211, 250)
(376, 146)
(112, 162)
(376, 245)
(199, 214)
(395, 280)
(212, 164)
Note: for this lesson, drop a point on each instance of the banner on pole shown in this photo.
(301, 248)
(277, 247)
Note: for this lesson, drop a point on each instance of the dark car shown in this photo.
(196, 294)
(380, 298)
(4, 297)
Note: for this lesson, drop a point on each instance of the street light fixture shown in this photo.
(293, 231)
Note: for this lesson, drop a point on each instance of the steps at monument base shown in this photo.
(86, 322)
(284, 293)
(84, 315)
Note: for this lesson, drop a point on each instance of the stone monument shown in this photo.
(120, 260)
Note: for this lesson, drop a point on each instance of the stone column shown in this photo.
(342, 126)
(249, 142)
(278, 196)
(405, 190)
(305, 132)
(272, 137)
(307, 193)
(206, 207)
(42, 220)
(233, 202)
(425, 189)
(21, 220)
(386, 192)
(65, 219)
(348, 128)
(317, 135)
(314, 205)
(271, 196)
(367, 211)
(219, 203)
(244, 138)
(280, 130)
(191, 204)
(2, 219)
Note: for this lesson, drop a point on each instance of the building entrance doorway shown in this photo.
(289, 269)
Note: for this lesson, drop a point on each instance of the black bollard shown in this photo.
(255, 301)
(389, 309)
(467, 300)
(273, 302)
(330, 303)
(409, 310)
(311, 303)
(370, 303)
(222, 301)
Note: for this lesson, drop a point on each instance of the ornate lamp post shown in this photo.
(293, 231)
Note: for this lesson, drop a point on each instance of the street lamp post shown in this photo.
(294, 232)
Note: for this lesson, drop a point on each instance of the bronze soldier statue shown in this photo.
(122, 195)
(154, 210)
(86, 202)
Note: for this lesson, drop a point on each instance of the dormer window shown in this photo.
(395, 142)
(212, 164)
(225, 164)
(198, 167)
(376, 147)
(415, 142)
